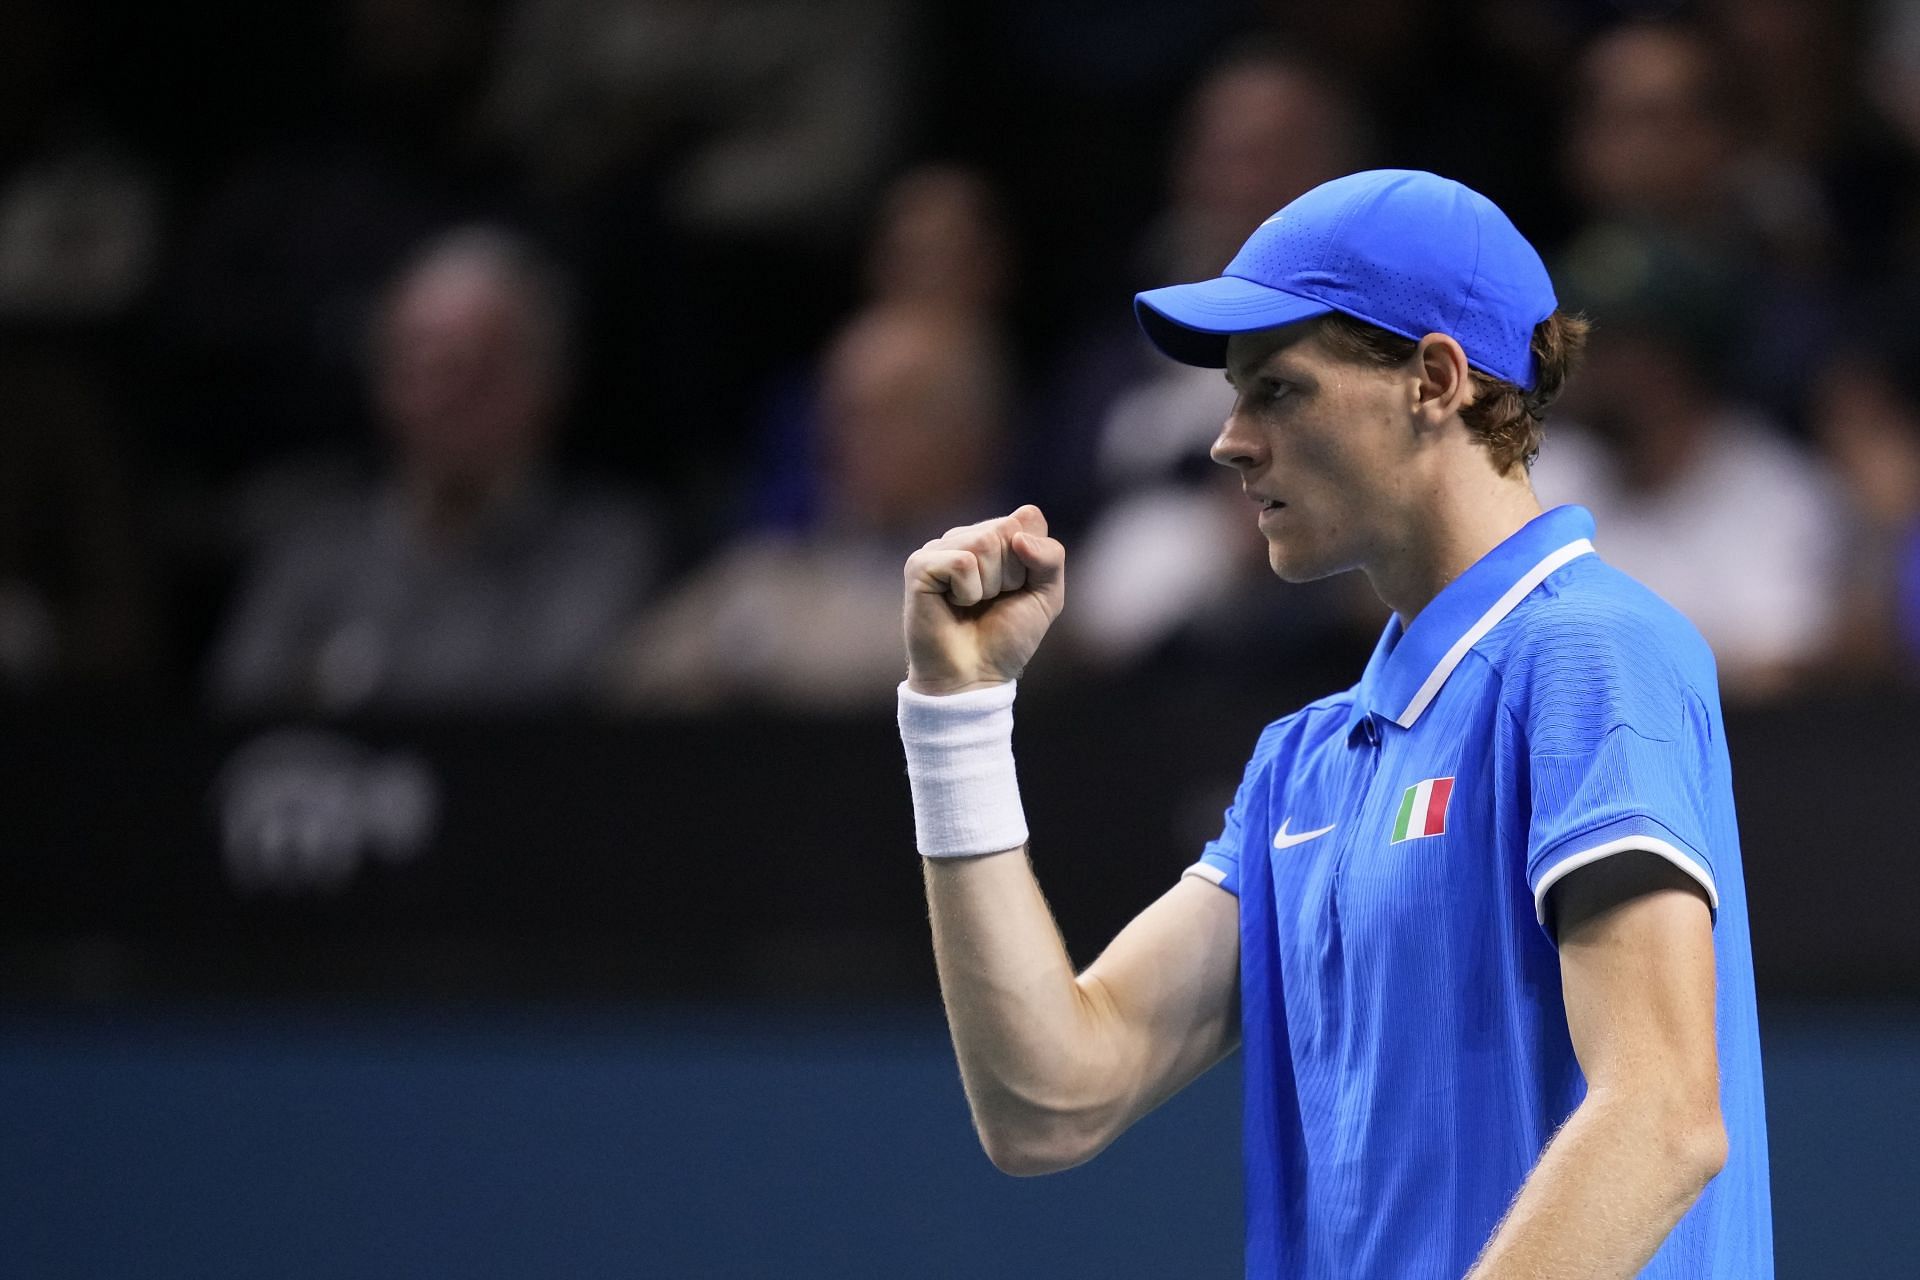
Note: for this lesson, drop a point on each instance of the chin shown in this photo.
(1289, 564)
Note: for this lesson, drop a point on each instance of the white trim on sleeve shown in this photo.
(1650, 844)
(1208, 872)
(1487, 621)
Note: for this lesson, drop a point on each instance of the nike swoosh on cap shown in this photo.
(1282, 840)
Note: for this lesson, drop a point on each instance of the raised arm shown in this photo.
(1055, 1065)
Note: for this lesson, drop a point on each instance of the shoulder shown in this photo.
(1590, 608)
(1594, 637)
(1311, 726)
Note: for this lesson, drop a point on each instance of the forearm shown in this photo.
(1607, 1190)
(1055, 1065)
(1034, 1057)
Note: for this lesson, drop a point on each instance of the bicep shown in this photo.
(1169, 987)
(1637, 974)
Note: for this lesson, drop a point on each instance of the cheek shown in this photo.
(1323, 469)
(1341, 486)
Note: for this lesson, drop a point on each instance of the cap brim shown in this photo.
(1192, 322)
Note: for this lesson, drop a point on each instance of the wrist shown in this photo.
(959, 748)
(941, 680)
(935, 687)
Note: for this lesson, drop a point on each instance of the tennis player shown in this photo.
(1478, 923)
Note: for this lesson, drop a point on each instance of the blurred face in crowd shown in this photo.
(1324, 448)
(1795, 59)
(1648, 137)
(911, 415)
(1648, 396)
(1871, 430)
(940, 243)
(1260, 134)
(468, 380)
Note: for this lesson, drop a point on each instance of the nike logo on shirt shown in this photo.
(1283, 840)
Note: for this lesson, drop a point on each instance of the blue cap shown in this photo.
(1407, 251)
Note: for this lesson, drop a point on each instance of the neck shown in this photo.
(1443, 539)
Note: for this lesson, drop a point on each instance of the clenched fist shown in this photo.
(979, 599)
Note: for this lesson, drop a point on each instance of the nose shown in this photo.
(1238, 445)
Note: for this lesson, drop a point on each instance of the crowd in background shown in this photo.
(428, 355)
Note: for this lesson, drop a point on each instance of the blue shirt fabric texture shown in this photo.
(1406, 1047)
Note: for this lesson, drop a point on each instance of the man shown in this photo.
(912, 415)
(474, 574)
(1673, 465)
(1479, 921)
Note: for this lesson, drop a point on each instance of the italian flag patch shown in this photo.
(1423, 810)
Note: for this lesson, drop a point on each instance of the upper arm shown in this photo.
(1617, 749)
(1637, 976)
(1168, 989)
(1625, 776)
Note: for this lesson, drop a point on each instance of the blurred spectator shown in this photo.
(913, 421)
(1156, 566)
(1794, 59)
(687, 155)
(1261, 128)
(1654, 138)
(261, 313)
(80, 231)
(1868, 423)
(79, 211)
(1696, 494)
(1667, 140)
(1177, 575)
(940, 247)
(471, 576)
(941, 244)
(1833, 90)
(764, 116)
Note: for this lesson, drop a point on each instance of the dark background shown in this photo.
(587, 989)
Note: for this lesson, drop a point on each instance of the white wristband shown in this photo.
(960, 765)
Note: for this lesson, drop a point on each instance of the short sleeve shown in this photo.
(1220, 860)
(1618, 756)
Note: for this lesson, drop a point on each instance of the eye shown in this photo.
(1263, 391)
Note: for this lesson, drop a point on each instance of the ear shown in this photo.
(1445, 383)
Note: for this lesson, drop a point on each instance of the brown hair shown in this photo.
(1510, 422)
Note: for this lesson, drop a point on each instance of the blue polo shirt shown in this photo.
(1406, 1048)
